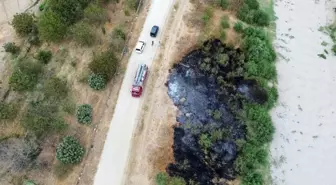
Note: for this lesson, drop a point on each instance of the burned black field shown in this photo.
(209, 88)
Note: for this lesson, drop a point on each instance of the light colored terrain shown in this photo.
(117, 145)
(304, 146)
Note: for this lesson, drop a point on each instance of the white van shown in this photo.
(140, 46)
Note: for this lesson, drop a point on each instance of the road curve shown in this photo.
(118, 141)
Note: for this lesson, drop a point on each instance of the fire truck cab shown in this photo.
(139, 80)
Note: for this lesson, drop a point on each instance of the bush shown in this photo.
(119, 33)
(105, 64)
(23, 23)
(69, 11)
(261, 18)
(95, 14)
(84, 114)
(43, 118)
(8, 111)
(69, 151)
(51, 27)
(25, 76)
(253, 178)
(10, 47)
(252, 4)
(97, 82)
(334, 49)
(207, 16)
(223, 3)
(161, 178)
(238, 27)
(225, 22)
(132, 4)
(29, 182)
(55, 88)
(44, 56)
(83, 33)
(205, 141)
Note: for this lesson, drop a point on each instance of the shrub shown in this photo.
(321, 55)
(8, 111)
(252, 178)
(177, 181)
(44, 56)
(43, 118)
(261, 18)
(132, 4)
(83, 33)
(69, 151)
(69, 11)
(205, 141)
(223, 3)
(252, 4)
(222, 35)
(95, 14)
(207, 16)
(51, 27)
(55, 88)
(334, 49)
(245, 14)
(34, 40)
(10, 47)
(119, 33)
(105, 64)
(97, 82)
(84, 114)
(29, 182)
(238, 27)
(25, 76)
(161, 178)
(225, 22)
(23, 23)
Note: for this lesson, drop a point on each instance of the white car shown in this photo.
(140, 46)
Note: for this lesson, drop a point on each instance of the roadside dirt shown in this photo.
(151, 148)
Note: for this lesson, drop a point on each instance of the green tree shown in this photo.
(205, 141)
(105, 64)
(69, 11)
(83, 33)
(97, 82)
(51, 27)
(84, 114)
(55, 88)
(95, 14)
(161, 178)
(238, 27)
(23, 23)
(223, 3)
(69, 151)
(25, 76)
(44, 56)
(10, 47)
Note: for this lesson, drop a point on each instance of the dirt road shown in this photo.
(304, 146)
(117, 145)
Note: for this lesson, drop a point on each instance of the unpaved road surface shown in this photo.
(304, 146)
(118, 141)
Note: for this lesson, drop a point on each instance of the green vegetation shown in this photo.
(164, 179)
(29, 182)
(84, 114)
(333, 49)
(225, 22)
(51, 27)
(251, 13)
(8, 111)
(119, 33)
(94, 14)
(321, 55)
(10, 47)
(205, 141)
(105, 64)
(223, 3)
(55, 88)
(43, 118)
(44, 56)
(25, 76)
(238, 27)
(69, 151)
(83, 34)
(207, 16)
(118, 39)
(132, 4)
(23, 23)
(97, 82)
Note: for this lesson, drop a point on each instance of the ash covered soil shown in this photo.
(209, 89)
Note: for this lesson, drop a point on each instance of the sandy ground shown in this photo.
(304, 146)
(118, 140)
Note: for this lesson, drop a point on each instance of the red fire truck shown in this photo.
(139, 80)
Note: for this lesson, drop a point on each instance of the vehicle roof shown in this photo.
(139, 44)
(154, 28)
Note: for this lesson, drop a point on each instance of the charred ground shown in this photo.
(209, 89)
